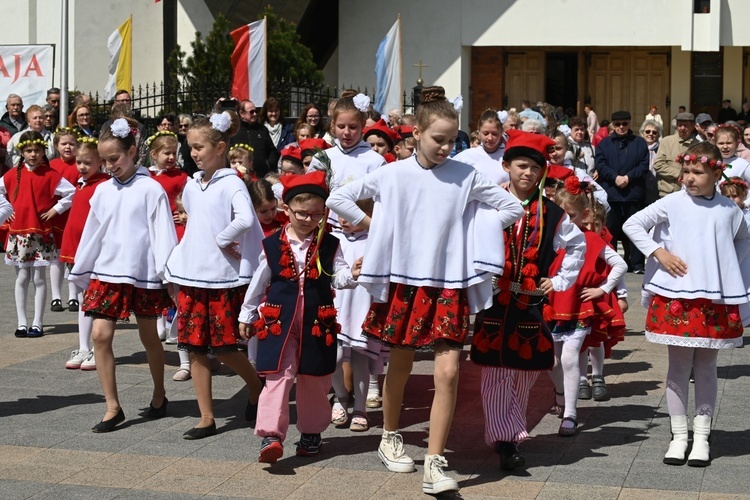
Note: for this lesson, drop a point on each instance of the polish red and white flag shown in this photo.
(249, 62)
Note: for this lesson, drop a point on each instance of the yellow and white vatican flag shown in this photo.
(120, 45)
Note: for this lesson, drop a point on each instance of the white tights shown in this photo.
(56, 275)
(360, 364)
(85, 323)
(703, 363)
(597, 362)
(566, 372)
(23, 278)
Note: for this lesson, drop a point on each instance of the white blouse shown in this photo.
(219, 213)
(129, 234)
(439, 227)
(488, 164)
(709, 235)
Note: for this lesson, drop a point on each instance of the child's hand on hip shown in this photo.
(671, 263)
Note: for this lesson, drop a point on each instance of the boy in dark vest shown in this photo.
(289, 307)
(512, 341)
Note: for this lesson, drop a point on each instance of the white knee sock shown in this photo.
(184, 360)
(85, 323)
(23, 277)
(56, 273)
(73, 292)
(40, 295)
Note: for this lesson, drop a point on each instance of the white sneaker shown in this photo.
(434, 480)
(76, 358)
(89, 363)
(392, 454)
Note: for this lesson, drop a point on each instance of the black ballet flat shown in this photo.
(22, 332)
(154, 413)
(200, 432)
(109, 425)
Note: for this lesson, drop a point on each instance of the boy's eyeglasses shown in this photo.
(303, 216)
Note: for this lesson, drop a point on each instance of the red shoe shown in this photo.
(271, 450)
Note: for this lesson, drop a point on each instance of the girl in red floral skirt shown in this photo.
(121, 260)
(586, 308)
(37, 194)
(697, 288)
(223, 233)
(434, 244)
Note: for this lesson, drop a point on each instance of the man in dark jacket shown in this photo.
(621, 163)
(14, 120)
(255, 134)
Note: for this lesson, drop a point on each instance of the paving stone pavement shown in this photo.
(47, 449)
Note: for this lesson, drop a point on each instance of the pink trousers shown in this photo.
(505, 397)
(313, 408)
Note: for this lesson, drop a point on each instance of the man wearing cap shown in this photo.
(702, 121)
(622, 162)
(667, 170)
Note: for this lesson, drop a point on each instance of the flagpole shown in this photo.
(265, 56)
(400, 66)
(62, 118)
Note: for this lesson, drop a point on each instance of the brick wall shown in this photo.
(487, 69)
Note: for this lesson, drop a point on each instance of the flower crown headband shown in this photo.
(246, 147)
(705, 160)
(160, 133)
(89, 140)
(67, 131)
(31, 142)
(735, 181)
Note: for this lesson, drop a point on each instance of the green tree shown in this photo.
(206, 74)
(288, 58)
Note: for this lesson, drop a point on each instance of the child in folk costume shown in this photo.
(88, 166)
(512, 341)
(430, 206)
(589, 303)
(241, 160)
(487, 158)
(350, 157)
(365, 355)
(383, 139)
(213, 265)
(129, 209)
(65, 142)
(598, 345)
(163, 147)
(296, 325)
(696, 289)
(163, 151)
(37, 194)
(266, 207)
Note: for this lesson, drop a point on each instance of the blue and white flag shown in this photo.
(388, 88)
